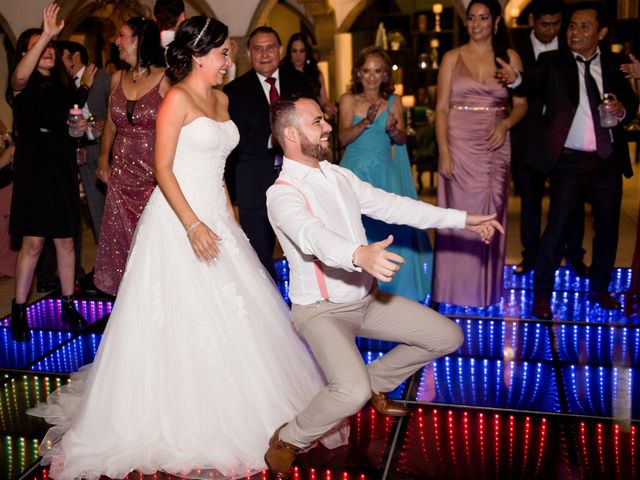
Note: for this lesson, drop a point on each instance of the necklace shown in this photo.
(135, 74)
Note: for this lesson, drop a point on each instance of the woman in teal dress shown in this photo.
(373, 131)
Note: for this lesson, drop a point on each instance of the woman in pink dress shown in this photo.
(472, 128)
(136, 94)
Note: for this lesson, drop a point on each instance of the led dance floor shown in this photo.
(521, 399)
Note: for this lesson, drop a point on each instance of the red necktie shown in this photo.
(274, 96)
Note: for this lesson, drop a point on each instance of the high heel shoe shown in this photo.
(69, 314)
(19, 327)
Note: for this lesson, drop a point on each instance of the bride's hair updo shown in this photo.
(195, 37)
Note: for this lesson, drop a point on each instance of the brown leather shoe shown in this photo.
(382, 404)
(605, 300)
(542, 307)
(280, 455)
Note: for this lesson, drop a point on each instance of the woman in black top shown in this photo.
(45, 202)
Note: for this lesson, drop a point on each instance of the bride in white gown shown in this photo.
(198, 364)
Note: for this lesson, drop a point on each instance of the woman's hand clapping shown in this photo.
(372, 112)
(203, 241)
(632, 70)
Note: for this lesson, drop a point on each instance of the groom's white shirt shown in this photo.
(333, 229)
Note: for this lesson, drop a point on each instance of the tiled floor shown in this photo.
(521, 399)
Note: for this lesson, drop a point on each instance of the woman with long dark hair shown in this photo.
(129, 136)
(191, 377)
(45, 202)
(473, 118)
(299, 56)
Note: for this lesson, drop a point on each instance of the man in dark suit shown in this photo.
(168, 14)
(584, 159)
(75, 59)
(257, 157)
(530, 43)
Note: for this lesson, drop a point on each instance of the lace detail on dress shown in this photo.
(230, 291)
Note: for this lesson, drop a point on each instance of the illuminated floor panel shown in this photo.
(452, 444)
(489, 383)
(21, 392)
(70, 357)
(521, 399)
(45, 313)
(19, 354)
(17, 454)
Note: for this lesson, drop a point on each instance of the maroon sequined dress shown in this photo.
(130, 185)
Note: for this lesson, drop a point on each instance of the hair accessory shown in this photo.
(202, 32)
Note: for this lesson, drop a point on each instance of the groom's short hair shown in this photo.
(283, 115)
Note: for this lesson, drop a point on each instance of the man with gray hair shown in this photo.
(315, 209)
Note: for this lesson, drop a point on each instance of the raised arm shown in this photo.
(172, 116)
(29, 62)
(445, 162)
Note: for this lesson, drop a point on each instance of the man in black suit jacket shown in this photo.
(75, 59)
(546, 16)
(583, 159)
(257, 158)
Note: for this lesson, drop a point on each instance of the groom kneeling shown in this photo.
(315, 209)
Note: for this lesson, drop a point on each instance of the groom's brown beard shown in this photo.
(310, 150)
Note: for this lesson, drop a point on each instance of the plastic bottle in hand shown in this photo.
(607, 117)
(75, 117)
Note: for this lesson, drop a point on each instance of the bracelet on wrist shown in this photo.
(192, 226)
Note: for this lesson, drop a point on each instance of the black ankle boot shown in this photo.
(19, 327)
(69, 314)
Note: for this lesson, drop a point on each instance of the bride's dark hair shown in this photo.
(195, 37)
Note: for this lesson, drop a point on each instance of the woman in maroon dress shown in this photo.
(136, 94)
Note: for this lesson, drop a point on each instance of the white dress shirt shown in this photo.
(333, 229)
(166, 37)
(539, 47)
(582, 135)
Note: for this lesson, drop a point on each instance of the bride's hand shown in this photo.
(203, 241)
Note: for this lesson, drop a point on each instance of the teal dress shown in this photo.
(376, 160)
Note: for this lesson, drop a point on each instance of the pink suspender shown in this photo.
(322, 283)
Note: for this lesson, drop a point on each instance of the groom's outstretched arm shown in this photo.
(289, 215)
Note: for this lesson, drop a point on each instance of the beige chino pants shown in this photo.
(330, 330)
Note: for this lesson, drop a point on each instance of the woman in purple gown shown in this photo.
(472, 128)
(136, 94)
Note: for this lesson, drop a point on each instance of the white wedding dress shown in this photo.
(199, 363)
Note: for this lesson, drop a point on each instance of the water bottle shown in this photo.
(607, 118)
(75, 117)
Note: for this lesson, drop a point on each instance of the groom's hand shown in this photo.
(483, 225)
(377, 261)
